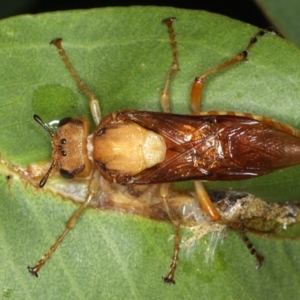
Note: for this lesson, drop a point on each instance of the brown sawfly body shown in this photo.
(208, 147)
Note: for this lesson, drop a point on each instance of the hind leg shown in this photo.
(196, 101)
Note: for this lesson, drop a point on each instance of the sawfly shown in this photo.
(143, 148)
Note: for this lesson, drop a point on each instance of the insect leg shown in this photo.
(166, 107)
(169, 278)
(94, 103)
(199, 82)
(165, 94)
(259, 258)
(196, 99)
(70, 224)
(205, 202)
(164, 193)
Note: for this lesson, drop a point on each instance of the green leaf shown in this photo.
(123, 55)
(284, 14)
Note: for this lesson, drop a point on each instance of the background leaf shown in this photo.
(284, 15)
(123, 55)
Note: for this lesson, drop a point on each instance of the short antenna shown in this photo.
(53, 164)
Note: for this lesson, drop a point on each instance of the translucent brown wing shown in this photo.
(213, 147)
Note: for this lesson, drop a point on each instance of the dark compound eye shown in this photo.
(65, 174)
(64, 121)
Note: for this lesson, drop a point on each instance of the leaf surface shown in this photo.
(123, 54)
